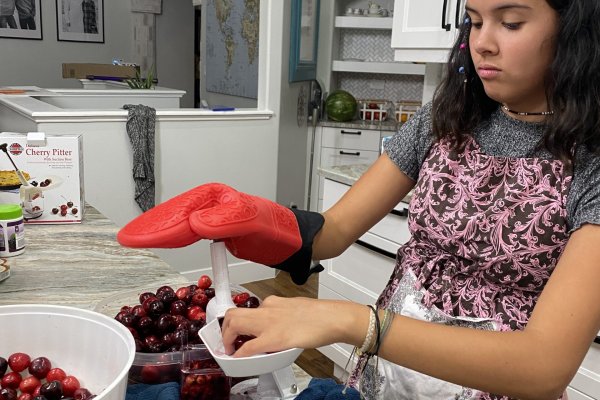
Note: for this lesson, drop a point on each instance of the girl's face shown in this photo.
(512, 45)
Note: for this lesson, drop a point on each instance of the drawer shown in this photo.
(394, 226)
(355, 139)
(346, 156)
(359, 274)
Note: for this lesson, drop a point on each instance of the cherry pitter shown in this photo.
(167, 226)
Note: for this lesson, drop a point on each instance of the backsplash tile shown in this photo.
(366, 45)
(395, 88)
(374, 45)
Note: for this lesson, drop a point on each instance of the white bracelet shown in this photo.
(368, 343)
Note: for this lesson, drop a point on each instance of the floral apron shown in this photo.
(487, 233)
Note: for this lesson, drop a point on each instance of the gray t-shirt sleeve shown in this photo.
(583, 207)
(409, 146)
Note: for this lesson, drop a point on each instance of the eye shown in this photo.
(512, 26)
(476, 24)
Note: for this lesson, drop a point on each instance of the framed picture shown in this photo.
(80, 20)
(303, 40)
(20, 19)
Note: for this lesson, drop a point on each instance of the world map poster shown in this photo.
(232, 47)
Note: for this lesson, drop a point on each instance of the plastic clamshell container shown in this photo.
(244, 366)
(201, 376)
(169, 364)
(93, 347)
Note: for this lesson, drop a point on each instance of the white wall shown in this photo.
(39, 62)
(189, 151)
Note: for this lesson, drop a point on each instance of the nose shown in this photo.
(483, 40)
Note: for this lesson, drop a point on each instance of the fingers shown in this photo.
(167, 225)
(260, 322)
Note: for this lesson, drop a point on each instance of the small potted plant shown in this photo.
(139, 82)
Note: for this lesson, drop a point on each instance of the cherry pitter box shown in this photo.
(50, 190)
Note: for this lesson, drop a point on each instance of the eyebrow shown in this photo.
(500, 7)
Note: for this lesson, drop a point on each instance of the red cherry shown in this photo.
(36, 392)
(19, 361)
(82, 394)
(183, 293)
(56, 374)
(63, 207)
(204, 282)
(3, 366)
(240, 298)
(8, 394)
(12, 380)
(25, 396)
(196, 313)
(63, 212)
(29, 384)
(200, 299)
(69, 385)
(39, 367)
(145, 296)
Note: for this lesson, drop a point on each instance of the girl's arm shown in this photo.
(368, 201)
(537, 363)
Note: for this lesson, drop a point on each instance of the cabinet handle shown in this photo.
(457, 14)
(349, 153)
(400, 213)
(444, 10)
(597, 340)
(345, 132)
(376, 249)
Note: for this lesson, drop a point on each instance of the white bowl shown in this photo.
(244, 366)
(93, 347)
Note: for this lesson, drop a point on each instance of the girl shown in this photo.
(495, 296)
(497, 290)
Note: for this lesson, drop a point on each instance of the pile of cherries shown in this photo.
(165, 320)
(42, 383)
(64, 209)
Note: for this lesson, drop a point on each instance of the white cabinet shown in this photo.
(424, 30)
(362, 271)
(341, 146)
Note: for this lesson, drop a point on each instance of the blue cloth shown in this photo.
(163, 391)
(327, 389)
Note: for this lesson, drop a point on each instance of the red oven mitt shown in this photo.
(253, 228)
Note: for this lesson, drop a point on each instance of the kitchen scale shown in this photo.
(276, 377)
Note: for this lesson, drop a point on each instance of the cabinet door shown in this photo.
(425, 24)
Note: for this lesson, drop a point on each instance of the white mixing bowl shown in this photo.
(93, 347)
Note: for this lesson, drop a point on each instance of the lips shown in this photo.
(487, 71)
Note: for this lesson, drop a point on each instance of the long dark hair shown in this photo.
(572, 85)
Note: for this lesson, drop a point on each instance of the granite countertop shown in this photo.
(389, 125)
(349, 174)
(81, 265)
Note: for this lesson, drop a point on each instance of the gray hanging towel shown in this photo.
(140, 129)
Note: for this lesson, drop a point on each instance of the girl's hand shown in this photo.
(283, 323)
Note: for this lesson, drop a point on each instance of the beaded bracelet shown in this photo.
(368, 342)
(372, 350)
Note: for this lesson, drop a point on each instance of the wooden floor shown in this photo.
(312, 361)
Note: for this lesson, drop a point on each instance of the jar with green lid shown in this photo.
(12, 230)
